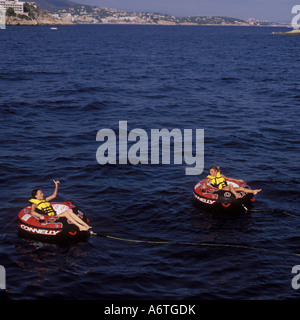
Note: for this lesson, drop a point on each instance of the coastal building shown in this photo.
(18, 6)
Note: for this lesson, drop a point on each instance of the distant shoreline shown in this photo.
(140, 24)
(78, 14)
(87, 14)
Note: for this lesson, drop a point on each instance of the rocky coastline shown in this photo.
(35, 17)
(16, 21)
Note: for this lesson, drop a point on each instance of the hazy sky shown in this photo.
(272, 10)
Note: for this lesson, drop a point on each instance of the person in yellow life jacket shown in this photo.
(41, 207)
(218, 180)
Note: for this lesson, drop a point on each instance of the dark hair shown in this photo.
(34, 192)
(215, 168)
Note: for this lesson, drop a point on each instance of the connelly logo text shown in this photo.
(40, 231)
(145, 152)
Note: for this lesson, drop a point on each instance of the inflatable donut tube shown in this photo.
(53, 229)
(220, 201)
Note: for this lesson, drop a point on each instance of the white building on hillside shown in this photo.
(18, 6)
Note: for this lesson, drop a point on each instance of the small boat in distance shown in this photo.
(288, 32)
(53, 28)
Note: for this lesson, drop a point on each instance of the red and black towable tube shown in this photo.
(54, 229)
(220, 201)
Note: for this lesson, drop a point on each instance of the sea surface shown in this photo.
(59, 88)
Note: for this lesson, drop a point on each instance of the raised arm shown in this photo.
(55, 191)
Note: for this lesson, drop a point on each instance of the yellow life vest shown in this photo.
(217, 181)
(43, 207)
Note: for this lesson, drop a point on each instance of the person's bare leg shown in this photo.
(67, 215)
(74, 216)
(248, 190)
(232, 190)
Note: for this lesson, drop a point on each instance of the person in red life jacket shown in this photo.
(218, 180)
(41, 207)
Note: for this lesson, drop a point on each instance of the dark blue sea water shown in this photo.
(240, 84)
